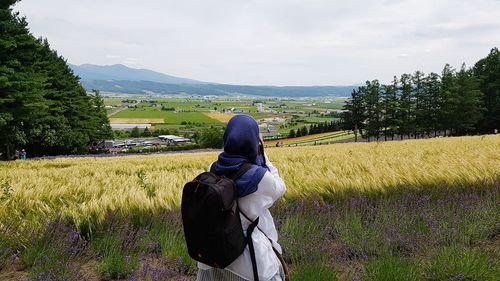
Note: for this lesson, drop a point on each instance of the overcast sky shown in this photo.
(273, 42)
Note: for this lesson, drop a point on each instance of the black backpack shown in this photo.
(211, 220)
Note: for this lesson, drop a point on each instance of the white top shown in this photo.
(254, 205)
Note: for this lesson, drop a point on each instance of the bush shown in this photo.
(212, 137)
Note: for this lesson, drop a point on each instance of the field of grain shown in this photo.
(347, 206)
(222, 117)
(323, 138)
(85, 188)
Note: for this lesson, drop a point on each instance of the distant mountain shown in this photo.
(90, 72)
(122, 79)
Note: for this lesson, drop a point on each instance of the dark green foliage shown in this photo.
(146, 133)
(487, 71)
(212, 137)
(135, 133)
(354, 115)
(43, 107)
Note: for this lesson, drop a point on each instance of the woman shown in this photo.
(257, 190)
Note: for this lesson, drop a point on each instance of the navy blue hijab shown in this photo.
(241, 144)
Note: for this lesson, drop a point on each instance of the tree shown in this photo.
(431, 104)
(212, 137)
(487, 72)
(292, 133)
(146, 133)
(420, 106)
(390, 108)
(469, 97)
(373, 108)
(135, 133)
(354, 115)
(43, 106)
(406, 105)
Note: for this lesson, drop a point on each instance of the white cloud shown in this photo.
(294, 42)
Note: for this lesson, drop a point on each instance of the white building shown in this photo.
(172, 139)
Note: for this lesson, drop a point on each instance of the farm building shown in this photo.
(268, 130)
(173, 140)
(123, 126)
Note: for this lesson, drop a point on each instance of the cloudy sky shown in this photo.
(273, 42)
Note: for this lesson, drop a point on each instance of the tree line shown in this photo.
(317, 128)
(455, 102)
(43, 107)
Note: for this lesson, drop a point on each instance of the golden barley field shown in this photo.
(86, 189)
(222, 117)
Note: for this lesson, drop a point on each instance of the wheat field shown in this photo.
(86, 189)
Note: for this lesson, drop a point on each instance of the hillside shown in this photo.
(123, 79)
(91, 72)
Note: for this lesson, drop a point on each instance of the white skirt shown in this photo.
(217, 274)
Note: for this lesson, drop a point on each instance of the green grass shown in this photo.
(169, 116)
(114, 260)
(312, 272)
(391, 269)
(459, 263)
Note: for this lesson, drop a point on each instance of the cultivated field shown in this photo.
(381, 208)
(222, 117)
(315, 139)
(170, 117)
(136, 120)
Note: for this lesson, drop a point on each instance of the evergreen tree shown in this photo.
(419, 105)
(354, 115)
(373, 108)
(43, 107)
(146, 133)
(390, 108)
(406, 104)
(430, 104)
(135, 133)
(487, 71)
(469, 110)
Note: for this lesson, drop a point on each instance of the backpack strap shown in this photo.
(243, 169)
(234, 175)
(252, 255)
(249, 239)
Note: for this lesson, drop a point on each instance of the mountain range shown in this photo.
(119, 78)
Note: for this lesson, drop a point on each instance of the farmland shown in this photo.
(349, 212)
(193, 113)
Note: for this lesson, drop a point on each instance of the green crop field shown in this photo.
(170, 117)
